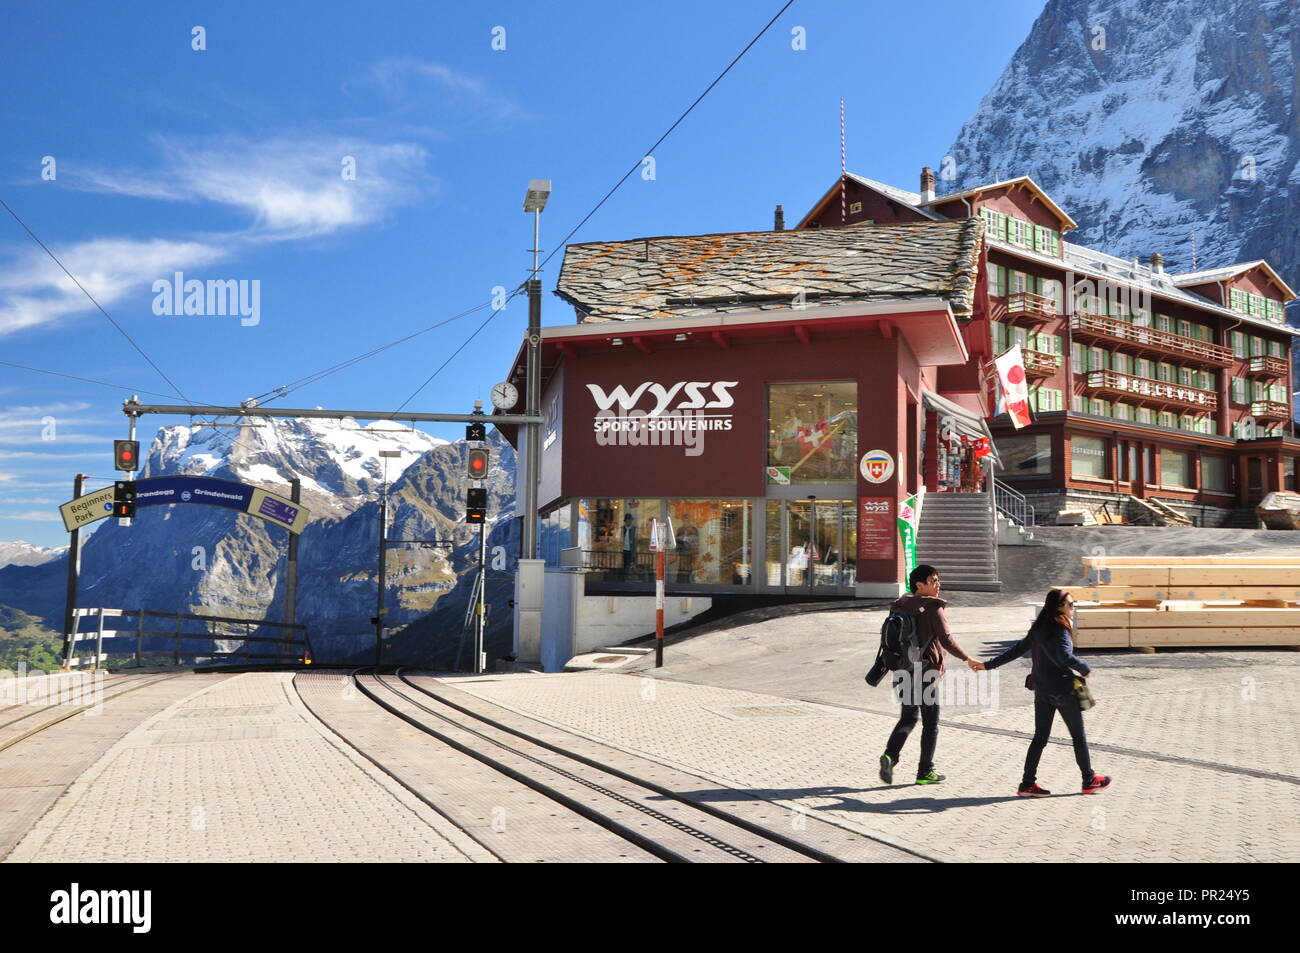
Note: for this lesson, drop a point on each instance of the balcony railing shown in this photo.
(1144, 390)
(1024, 306)
(1270, 410)
(1266, 366)
(1040, 363)
(1105, 328)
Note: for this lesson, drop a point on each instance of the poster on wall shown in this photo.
(876, 532)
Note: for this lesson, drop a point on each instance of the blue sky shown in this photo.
(227, 163)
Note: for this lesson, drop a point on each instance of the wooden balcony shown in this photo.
(1040, 363)
(1026, 308)
(1269, 410)
(1142, 391)
(1149, 341)
(1267, 367)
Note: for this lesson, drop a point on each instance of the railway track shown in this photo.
(653, 821)
(11, 735)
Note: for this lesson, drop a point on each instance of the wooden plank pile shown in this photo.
(1145, 602)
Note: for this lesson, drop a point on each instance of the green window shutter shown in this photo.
(1275, 348)
(1256, 346)
(1238, 390)
(1238, 344)
(1057, 342)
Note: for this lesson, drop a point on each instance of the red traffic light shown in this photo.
(478, 464)
(126, 454)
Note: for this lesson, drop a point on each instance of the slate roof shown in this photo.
(680, 276)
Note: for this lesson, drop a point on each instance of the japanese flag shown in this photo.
(1015, 391)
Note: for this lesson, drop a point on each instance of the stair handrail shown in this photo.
(1012, 504)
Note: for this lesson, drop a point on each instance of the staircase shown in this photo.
(956, 537)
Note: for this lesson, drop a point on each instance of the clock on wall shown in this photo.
(504, 395)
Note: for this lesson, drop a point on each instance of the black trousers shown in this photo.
(1045, 709)
(929, 715)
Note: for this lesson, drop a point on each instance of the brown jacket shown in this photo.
(931, 628)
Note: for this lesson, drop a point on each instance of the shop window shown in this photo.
(712, 542)
(1025, 455)
(1175, 468)
(619, 537)
(812, 432)
(1088, 457)
(1214, 473)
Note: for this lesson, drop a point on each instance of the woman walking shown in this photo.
(1050, 640)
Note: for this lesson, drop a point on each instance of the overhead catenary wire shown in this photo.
(619, 184)
(121, 330)
(85, 380)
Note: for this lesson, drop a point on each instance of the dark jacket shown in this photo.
(1053, 660)
(931, 628)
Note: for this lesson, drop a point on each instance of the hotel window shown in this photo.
(1101, 408)
(1077, 403)
(1214, 473)
(1185, 376)
(1142, 367)
(1077, 360)
(1123, 412)
(1017, 281)
(1238, 344)
(1120, 363)
(1054, 290)
(1258, 391)
(997, 280)
(1165, 419)
(1205, 380)
(1276, 311)
(1238, 390)
(1044, 399)
(1256, 346)
(1165, 372)
(1274, 348)
(1183, 328)
(1144, 415)
(1162, 322)
(1175, 468)
(1097, 359)
(1088, 457)
(1025, 455)
(1277, 392)
(1186, 422)
(812, 432)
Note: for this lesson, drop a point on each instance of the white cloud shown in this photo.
(32, 516)
(399, 77)
(291, 187)
(34, 290)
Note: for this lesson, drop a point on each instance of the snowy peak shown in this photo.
(337, 461)
(20, 553)
(1148, 121)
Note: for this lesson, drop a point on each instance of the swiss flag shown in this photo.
(814, 439)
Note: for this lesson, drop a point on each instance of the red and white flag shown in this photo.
(814, 439)
(1015, 390)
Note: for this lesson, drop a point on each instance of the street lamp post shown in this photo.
(385, 455)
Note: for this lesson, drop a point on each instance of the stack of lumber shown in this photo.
(1150, 601)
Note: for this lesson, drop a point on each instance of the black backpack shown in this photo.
(900, 646)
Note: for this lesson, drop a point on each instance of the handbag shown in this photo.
(1082, 693)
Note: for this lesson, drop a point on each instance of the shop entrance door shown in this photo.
(805, 542)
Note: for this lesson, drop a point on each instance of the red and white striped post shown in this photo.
(662, 544)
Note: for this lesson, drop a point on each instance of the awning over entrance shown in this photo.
(963, 420)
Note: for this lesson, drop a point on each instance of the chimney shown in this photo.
(927, 184)
(1157, 263)
(780, 219)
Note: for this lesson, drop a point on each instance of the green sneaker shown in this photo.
(930, 777)
(887, 769)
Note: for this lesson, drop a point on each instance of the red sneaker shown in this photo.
(1098, 782)
(1032, 790)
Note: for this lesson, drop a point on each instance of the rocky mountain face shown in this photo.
(1151, 120)
(19, 553)
(208, 560)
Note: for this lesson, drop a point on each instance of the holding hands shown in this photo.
(976, 665)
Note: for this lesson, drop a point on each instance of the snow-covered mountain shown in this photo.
(19, 553)
(203, 559)
(337, 461)
(1148, 119)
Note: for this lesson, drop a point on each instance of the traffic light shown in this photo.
(126, 454)
(475, 432)
(476, 504)
(124, 498)
(478, 464)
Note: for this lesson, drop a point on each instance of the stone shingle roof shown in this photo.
(680, 276)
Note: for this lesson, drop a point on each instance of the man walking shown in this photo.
(926, 608)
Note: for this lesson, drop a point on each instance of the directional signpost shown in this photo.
(163, 491)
